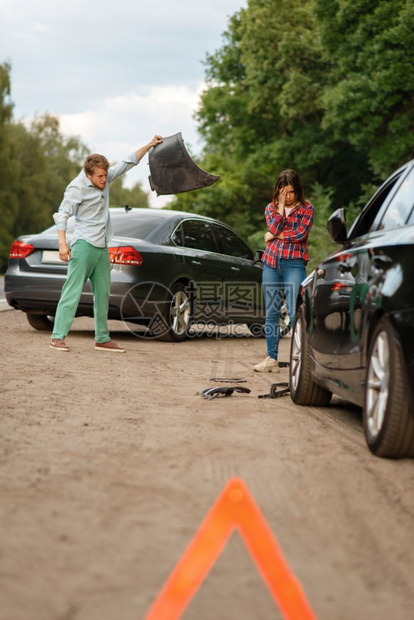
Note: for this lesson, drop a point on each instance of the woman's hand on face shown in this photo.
(282, 200)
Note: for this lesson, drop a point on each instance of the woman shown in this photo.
(289, 218)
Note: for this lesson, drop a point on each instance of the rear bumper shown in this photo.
(30, 295)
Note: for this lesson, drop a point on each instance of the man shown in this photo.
(87, 198)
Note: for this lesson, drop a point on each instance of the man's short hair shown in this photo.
(95, 161)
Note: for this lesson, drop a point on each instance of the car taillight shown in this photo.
(343, 257)
(339, 286)
(19, 249)
(125, 255)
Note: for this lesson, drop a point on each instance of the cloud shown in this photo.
(68, 55)
(114, 73)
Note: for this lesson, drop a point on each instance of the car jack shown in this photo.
(275, 392)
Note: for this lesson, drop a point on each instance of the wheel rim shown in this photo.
(378, 379)
(296, 355)
(284, 321)
(180, 313)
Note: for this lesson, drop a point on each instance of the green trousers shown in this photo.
(87, 263)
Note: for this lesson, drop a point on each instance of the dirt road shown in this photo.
(109, 463)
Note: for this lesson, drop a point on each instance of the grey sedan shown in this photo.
(170, 270)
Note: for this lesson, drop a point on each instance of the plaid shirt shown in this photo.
(295, 228)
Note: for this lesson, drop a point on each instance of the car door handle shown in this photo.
(235, 269)
(382, 261)
(196, 262)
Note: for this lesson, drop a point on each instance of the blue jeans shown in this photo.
(285, 278)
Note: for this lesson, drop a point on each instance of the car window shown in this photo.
(177, 236)
(138, 226)
(394, 219)
(369, 218)
(400, 206)
(230, 243)
(197, 234)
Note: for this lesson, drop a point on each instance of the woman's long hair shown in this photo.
(289, 177)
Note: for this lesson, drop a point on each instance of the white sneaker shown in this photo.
(268, 365)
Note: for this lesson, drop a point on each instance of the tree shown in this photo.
(45, 162)
(370, 95)
(321, 86)
(261, 113)
(134, 197)
(36, 165)
(8, 170)
(62, 159)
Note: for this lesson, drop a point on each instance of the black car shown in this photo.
(169, 270)
(354, 329)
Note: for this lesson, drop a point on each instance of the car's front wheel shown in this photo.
(258, 329)
(284, 321)
(178, 314)
(388, 414)
(303, 390)
(41, 322)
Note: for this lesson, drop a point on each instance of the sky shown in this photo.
(115, 72)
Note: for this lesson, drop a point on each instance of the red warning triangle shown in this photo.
(233, 509)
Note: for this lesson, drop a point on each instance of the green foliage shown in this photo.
(322, 86)
(41, 164)
(46, 163)
(320, 244)
(121, 196)
(369, 98)
(8, 170)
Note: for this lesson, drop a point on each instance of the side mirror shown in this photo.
(337, 226)
(258, 256)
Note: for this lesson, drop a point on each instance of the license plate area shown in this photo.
(51, 257)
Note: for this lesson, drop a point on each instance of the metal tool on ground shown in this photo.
(224, 380)
(214, 392)
(277, 390)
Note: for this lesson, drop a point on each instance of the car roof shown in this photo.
(163, 213)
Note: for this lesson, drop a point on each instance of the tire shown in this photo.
(40, 321)
(387, 413)
(284, 321)
(303, 390)
(178, 315)
(258, 329)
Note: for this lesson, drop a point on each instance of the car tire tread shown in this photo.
(40, 322)
(396, 437)
(306, 392)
